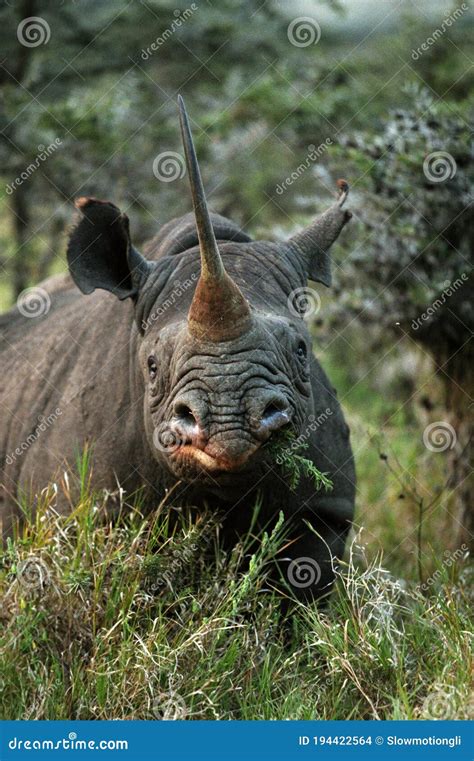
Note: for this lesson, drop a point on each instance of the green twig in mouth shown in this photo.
(285, 449)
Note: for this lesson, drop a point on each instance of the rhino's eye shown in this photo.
(302, 350)
(152, 368)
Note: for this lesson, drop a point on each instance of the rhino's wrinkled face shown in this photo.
(210, 406)
(221, 377)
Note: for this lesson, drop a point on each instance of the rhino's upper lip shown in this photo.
(214, 464)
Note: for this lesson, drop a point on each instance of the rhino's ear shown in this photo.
(100, 253)
(312, 244)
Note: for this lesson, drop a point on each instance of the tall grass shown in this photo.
(96, 624)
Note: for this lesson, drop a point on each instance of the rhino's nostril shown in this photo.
(183, 412)
(275, 415)
(272, 409)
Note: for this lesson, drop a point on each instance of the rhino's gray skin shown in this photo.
(93, 359)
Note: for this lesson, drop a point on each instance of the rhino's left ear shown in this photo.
(100, 253)
(312, 244)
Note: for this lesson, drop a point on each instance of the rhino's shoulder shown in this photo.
(57, 283)
(180, 235)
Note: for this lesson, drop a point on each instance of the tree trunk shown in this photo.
(21, 220)
(458, 383)
(448, 336)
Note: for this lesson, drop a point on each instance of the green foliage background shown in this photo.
(257, 103)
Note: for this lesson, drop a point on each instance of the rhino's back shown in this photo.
(49, 365)
(15, 324)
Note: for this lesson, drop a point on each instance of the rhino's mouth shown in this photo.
(210, 462)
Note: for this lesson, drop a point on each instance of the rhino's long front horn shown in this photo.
(219, 310)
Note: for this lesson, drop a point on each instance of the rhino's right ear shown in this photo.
(312, 245)
(100, 253)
